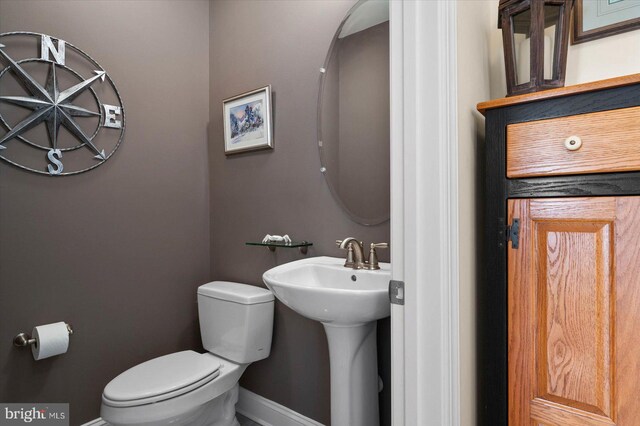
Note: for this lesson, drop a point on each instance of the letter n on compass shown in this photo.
(47, 47)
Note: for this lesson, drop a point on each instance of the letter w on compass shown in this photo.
(53, 106)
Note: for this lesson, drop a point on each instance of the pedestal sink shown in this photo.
(347, 302)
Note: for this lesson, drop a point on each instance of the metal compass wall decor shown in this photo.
(62, 113)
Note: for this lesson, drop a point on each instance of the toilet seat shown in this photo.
(161, 378)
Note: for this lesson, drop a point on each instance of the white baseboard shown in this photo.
(269, 413)
(259, 409)
(96, 422)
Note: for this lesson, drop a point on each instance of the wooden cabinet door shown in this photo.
(574, 312)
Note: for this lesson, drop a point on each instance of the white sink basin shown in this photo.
(322, 289)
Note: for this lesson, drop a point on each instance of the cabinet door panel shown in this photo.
(574, 303)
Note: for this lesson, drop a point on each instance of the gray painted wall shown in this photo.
(282, 43)
(119, 251)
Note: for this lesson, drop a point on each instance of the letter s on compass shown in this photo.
(52, 154)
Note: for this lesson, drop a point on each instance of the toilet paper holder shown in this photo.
(24, 339)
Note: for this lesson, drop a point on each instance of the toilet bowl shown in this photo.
(190, 388)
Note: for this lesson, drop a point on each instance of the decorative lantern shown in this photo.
(535, 35)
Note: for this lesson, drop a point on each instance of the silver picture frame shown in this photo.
(247, 121)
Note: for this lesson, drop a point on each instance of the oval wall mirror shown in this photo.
(353, 113)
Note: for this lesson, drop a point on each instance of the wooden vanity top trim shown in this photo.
(561, 91)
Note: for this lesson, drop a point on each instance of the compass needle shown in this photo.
(73, 92)
(53, 128)
(69, 123)
(31, 103)
(30, 122)
(30, 84)
(52, 82)
(101, 156)
(76, 111)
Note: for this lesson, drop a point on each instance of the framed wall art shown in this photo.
(247, 121)
(594, 19)
(48, 85)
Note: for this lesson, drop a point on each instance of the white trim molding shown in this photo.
(268, 413)
(397, 86)
(259, 409)
(424, 218)
(96, 422)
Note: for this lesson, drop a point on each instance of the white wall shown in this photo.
(594, 60)
(474, 34)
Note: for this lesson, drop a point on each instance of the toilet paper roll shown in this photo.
(51, 340)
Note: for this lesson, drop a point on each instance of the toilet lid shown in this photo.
(162, 378)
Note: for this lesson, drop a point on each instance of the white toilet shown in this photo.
(189, 388)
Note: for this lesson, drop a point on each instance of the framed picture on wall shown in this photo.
(247, 121)
(593, 19)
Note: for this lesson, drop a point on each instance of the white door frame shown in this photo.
(424, 213)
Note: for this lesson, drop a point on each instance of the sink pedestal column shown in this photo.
(354, 374)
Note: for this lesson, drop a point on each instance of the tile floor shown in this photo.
(245, 421)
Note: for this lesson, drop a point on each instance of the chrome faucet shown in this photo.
(355, 254)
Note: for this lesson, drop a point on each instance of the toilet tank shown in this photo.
(236, 320)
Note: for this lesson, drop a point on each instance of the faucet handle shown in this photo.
(373, 256)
